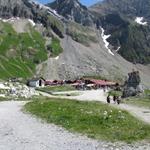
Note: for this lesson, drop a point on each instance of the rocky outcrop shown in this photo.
(15, 8)
(132, 85)
(134, 79)
(73, 10)
(16, 90)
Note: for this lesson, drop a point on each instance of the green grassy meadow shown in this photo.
(58, 88)
(94, 119)
(20, 52)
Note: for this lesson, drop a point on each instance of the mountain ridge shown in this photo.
(73, 10)
(132, 8)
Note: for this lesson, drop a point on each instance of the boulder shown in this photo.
(132, 85)
(129, 91)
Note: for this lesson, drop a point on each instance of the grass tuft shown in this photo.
(115, 93)
(55, 47)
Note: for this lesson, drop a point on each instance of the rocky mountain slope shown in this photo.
(73, 10)
(127, 21)
(26, 37)
(78, 60)
(128, 8)
(30, 9)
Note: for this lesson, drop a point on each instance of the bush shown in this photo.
(55, 47)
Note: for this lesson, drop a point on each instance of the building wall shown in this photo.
(34, 83)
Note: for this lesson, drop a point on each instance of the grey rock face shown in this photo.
(134, 79)
(129, 8)
(15, 8)
(28, 9)
(132, 85)
(117, 17)
(130, 91)
(73, 10)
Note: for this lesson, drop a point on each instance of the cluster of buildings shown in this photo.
(78, 84)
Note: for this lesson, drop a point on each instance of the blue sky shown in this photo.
(85, 2)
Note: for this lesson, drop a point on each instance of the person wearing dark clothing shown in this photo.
(118, 100)
(108, 99)
(114, 98)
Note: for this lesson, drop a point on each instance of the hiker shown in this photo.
(118, 100)
(108, 99)
(104, 89)
(114, 98)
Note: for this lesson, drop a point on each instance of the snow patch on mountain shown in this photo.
(105, 37)
(3, 86)
(50, 11)
(32, 22)
(77, 5)
(56, 58)
(10, 19)
(118, 49)
(139, 20)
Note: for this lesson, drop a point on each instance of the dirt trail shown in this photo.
(141, 113)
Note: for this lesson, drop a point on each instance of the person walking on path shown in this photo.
(118, 100)
(108, 99)
(114, 99)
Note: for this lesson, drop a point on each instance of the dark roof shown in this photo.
(36, 79)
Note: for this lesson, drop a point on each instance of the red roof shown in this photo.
(111, 83)
(102, 82)
(49, 82)
(75, 84)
